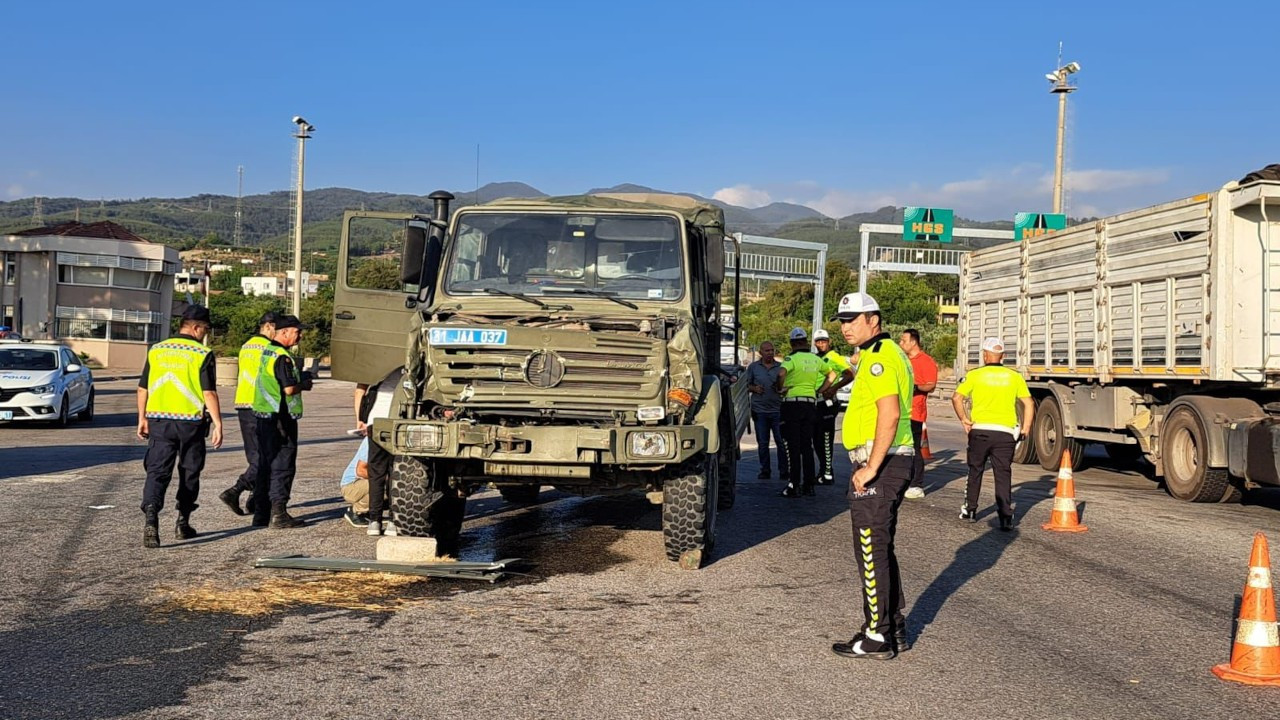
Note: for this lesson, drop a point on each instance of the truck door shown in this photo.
(370, 320)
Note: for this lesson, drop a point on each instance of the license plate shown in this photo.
(6, 414)
(467, 336)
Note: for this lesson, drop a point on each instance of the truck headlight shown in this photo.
(651, 413)
(41, 390)
(651, 444)
(422, 437)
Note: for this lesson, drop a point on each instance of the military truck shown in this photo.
(568, 341)
(1154, 333)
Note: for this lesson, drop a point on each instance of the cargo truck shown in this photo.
(571, 342)
(1154, 333)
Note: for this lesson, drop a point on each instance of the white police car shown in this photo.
(43, 381)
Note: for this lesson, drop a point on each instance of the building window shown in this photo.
(86, 329)
(130, 278)
(114, 277)
(6, 317)
(10, 268)
(75, 275)
(134, 332)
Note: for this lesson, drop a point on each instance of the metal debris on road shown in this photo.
(489, 572)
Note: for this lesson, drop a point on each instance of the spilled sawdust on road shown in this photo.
(372, 592)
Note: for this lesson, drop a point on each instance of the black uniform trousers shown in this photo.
(875, 522)
(797, 436)
(824, 435)
(277, 461)
(249, 437)
(379, 478)
(917, 460)
(171, 442)
(998, 446)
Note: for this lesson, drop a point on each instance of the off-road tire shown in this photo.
(1184, 456)
(1050, 442)
(727, 487)
(520, 494)
(423, 504)
(689, 513)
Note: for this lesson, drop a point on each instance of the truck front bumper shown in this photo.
(632, 446)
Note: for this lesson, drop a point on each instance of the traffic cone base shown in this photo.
(1064, 517)
(1255, 655)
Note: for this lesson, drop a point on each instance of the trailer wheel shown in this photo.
(1184, 453)
(423, 504)
(1024, 453)
(689, 513)
(1048, 438)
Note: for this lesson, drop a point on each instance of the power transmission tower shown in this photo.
(237, 238)
(37, 218)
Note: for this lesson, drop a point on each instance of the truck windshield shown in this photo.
(631, 256)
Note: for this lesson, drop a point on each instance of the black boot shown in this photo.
(151, 531)
(282, 520)
(231, 496)
(900, 638)
(183, 530)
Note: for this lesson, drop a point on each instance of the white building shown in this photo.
(277, 284)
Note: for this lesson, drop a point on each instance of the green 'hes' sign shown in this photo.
(1029, 225)
(930, 224)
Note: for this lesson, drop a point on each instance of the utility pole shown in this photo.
(304, 130)
(237, 237)
(1061, 88)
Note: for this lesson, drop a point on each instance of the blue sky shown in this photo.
(843, 106)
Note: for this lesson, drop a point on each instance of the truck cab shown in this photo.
(571, 342)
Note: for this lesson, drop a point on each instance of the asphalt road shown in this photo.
(1123, 621)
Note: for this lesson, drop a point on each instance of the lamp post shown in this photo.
(304, 132)
(1061, 88)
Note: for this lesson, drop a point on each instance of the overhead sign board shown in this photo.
(927, 224)
(1029, 225)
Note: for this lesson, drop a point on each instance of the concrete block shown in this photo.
(401, 549)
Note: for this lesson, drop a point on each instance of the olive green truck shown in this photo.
(572, 342)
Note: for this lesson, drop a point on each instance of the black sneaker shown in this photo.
(1006, 523)
(827, 479)
(790, 491)
(355, 519)
(864, 648)
(808, 491)
(967, 514)
(900, 639)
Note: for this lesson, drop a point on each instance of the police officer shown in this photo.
(877, 433)
(992, 426)
(277, 407)
(177, 404)
(824, 435)
(250, 367)
(802, 377)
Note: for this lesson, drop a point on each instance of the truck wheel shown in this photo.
(1024, 453)
(1050, 443)
(689, 514)
(423, 504)
(727, 490)
(1184, 453)
(520, 494)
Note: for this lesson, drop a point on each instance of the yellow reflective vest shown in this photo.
(250, 368)
(173, 380)
(266, 401)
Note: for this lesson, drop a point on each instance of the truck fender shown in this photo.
(1216, 415)
(1066, 398)
(708, 415)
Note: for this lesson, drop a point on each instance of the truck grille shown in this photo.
(617, 372)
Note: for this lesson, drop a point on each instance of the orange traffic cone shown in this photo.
(924, 443)
(1255, 656)
(1064, 518)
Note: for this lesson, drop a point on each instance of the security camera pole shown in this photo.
(304, 130)
(1061, 89)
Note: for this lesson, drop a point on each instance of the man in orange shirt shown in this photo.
(925, 371)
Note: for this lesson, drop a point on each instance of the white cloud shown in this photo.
(743, 196)
(16, 191)
(997, 194)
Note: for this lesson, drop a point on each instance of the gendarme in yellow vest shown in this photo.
(266, 401)
(173, 382)
(250, 367)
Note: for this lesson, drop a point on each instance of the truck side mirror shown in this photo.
(415, 248)
(715, 257)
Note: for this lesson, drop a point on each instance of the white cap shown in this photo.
(993, 344)
(798, 334)
(821, 334)
(856, 303)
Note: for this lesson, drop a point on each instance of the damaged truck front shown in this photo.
(572, 342)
